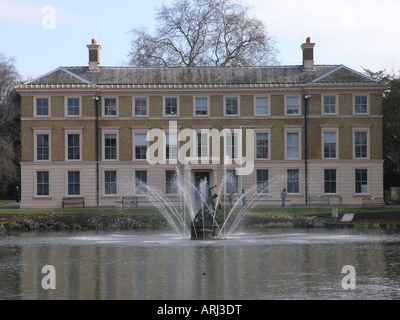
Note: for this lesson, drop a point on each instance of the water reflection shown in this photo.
(275, 264)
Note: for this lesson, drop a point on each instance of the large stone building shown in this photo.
(315, 130)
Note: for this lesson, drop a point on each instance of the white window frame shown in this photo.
(268, 181)
(227, 188)
(165, 183)
(354, 104)
(165, 106)
(35, 106)
(329, 129)
(268, 107)
(287, 181)
(368, 182)
(297, 130)
(267, 131)
(134, 145)
(147, 106)
(77, 131)
(67, 182)
(147, 181)
(40, 131)
(361, 128)
(286, 105)
(204, 132)
(105, 131)
(104, 182)
(237, 151)
(103, 106)
(36, 182)
(66, 106)
(238, 107)
(323, 181)
(336, 105)
(208, 107)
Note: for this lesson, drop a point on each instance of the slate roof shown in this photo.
(201, 75)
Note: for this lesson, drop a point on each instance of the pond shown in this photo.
(258, 264)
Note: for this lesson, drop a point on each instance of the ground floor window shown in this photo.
(361, 179)
(232, 182)
(74, 183)
(42, 183)
(293, 181)
(170, 182)
(141, 181)
(330, 180)
(262, 181)
(110, 182)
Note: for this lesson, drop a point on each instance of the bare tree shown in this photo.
(194, 33)
(9, 124)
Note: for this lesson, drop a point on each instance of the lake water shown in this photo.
(262, 264)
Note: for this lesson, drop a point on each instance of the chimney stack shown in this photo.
(94, 56)
(308, 55)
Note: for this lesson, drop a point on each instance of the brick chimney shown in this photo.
(94, 56)
(308, 55)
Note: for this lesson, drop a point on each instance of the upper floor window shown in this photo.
(329, 145)
(140, 107)
(231, 145)
(73, 107)
(201, 106)
(202, 144)
(110, 146)
(42, 107)
(171, 151)
(110, 106)
(42, 147)
(292, 145)
(292, 105)
(232, 106)
(360, 104)
(73, 147)
(361, 144)
(329, 104)
(262, 106)
(262, 145)
(140, 146)
(171, 106)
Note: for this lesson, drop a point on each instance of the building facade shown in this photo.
(93, 132)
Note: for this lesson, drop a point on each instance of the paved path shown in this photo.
(11, 204)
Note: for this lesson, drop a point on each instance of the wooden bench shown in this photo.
(74, 201)
(368, 202)
(320, 199)
(130, 201)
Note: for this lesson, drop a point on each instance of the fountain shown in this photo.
(203, 217)
(204, 225)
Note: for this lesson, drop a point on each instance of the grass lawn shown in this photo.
(256, 212)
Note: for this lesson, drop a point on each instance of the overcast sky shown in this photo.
(43, 35)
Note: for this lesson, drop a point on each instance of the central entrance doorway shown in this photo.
(198, 178)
